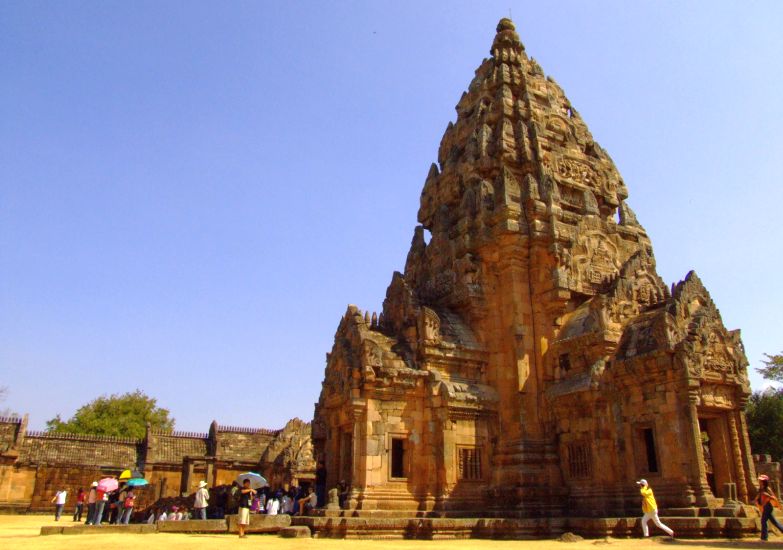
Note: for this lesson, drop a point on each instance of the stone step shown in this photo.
(135, 528)
(193, 526)
(295, 532)
(260, 523)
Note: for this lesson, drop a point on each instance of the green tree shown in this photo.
(123, 415)
(765, 422)
(773, 367)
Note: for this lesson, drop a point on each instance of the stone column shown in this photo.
(750, 467)
(742, 487)
(359, 458)
(187, 475)
(210, 473)
(699, 472)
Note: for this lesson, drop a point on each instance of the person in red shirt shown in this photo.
(81, 497)
(100, 506)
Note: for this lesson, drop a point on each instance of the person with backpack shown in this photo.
(766, 500)
(127, 507)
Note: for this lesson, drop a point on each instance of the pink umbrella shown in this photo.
(108, 484)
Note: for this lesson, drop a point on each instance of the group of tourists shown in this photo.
(102, 506)
(116, 507)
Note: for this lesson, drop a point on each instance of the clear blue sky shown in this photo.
(191, 193)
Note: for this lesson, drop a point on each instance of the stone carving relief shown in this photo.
(595, 259)
(716, 356)
(337, 376)
(429, 326)
(577, 172)
(708, 348)
(292, 448)
(718, 396)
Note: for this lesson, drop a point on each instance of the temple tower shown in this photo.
(529, 357)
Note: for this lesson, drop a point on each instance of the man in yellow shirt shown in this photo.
(650, 509)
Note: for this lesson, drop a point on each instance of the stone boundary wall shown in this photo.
(35, 464)
(765, 465)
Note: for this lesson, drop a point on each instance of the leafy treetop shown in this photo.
(123, 415)
(773, 367)
(765, 417)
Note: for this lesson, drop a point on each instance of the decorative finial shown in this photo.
(505, 24)
(506, 44)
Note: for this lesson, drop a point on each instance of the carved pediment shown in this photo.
(709, 350)
(637, 288)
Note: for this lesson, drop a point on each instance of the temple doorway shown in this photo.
(706, 448)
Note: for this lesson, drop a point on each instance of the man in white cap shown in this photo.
(650, 509)
(202, 500)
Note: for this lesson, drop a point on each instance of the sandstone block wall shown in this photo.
(34, 465)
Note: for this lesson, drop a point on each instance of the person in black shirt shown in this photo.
(245, 500)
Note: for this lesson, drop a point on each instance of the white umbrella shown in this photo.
(256, 480)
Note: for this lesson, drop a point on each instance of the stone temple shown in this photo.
(529, 361)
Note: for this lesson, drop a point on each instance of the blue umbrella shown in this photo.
(137, 482)
(256, 480)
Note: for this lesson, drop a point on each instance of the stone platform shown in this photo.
(260, 523)
(193, 526)
(431, 528)
(134, 528)
(519, 528)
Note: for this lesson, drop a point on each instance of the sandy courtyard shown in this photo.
(22, 532)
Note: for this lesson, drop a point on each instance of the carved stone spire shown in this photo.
(515, 125)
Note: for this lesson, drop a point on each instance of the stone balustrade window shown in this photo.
(469, 463)
(580, 464)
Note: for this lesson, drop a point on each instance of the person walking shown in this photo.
(92, 498)
(201, 501)
(59, 503)
(127, 507)
(766, 500)
(245, 500)
(650, 509)
(80, 498)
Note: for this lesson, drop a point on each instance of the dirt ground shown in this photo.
(23, 532)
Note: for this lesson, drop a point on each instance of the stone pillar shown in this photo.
(359, 459)
(519, 346)
(742, 487)
(210, 473)
(162, 487)
(750, 468)
(187, 476)
(699, 472)
(446, 474)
